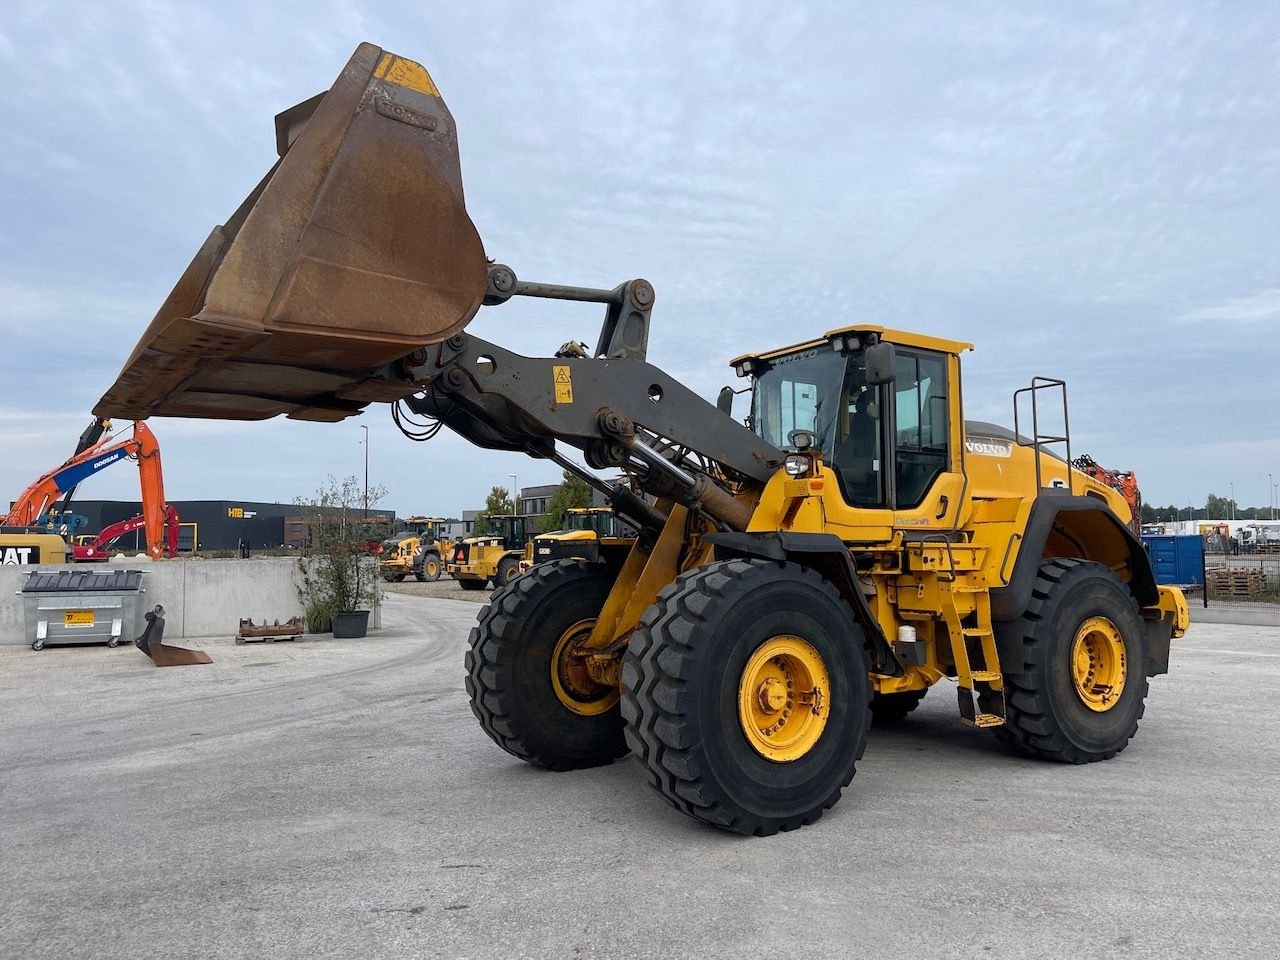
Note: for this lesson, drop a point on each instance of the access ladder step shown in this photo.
(983, 721)
(984, 676)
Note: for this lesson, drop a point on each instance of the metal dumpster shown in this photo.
(82, 606)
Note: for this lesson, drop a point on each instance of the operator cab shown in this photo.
(511, 530)
(877, 404)
(599, 520)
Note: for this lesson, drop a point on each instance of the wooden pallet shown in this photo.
(250, 632)
(1237, 581)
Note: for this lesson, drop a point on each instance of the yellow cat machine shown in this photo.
(590, 533)
(492, 556)
(851, 545)
(23, 547)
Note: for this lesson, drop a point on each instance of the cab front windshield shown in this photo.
(800, 391)
(599, 521)
(826, 393)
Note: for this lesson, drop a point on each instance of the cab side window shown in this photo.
(921, 412)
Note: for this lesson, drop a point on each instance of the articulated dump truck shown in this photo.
(817, 564)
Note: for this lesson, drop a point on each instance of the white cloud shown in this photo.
(1259, 308)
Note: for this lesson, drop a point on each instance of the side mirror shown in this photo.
(881, 360)
(724, 402)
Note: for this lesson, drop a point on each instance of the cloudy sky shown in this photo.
(1089, 194)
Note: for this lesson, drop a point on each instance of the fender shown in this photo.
(1105, 538)
(827, 555)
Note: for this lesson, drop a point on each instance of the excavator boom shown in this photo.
(97, 455)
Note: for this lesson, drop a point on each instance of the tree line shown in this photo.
(1215, 508)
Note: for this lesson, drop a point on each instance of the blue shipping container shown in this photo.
(1177, 559)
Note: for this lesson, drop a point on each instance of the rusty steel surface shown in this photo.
(151, 642)
(353, 251)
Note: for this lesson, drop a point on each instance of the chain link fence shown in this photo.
(1242, 581)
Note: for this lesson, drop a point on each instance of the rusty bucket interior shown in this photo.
(354, 250)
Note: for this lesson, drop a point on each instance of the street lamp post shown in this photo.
(365, 441)
(1233, 501)
(515, 494)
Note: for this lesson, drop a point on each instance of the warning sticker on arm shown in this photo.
(563, 383)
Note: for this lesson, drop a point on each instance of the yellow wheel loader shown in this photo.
(419, 551)
(490, 557)
(590, 533)
(396, 560)
(848, 545)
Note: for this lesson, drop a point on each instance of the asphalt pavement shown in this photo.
(337, 799)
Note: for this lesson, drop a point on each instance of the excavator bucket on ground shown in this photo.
(151, 642)
(353, 251)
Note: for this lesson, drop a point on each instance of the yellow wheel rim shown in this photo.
(572, 682)
(433, 568)
(1098, 664)
(784, 698)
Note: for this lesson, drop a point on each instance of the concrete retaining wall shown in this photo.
(201, 598)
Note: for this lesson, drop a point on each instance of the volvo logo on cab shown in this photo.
(988, 447)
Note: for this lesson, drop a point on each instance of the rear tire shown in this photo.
(1047, 711)
(888, 709)
(691, 680)
(510, 669)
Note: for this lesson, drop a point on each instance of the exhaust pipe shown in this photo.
(355, 250)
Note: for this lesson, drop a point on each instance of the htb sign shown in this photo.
(19, 556)
(240, 513)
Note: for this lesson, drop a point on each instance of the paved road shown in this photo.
(336, 799)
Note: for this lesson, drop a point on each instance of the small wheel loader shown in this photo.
(418, 551)
(847, 545)
(490, 557)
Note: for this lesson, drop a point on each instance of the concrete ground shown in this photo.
(337, 799)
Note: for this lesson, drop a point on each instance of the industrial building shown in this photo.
(213, 524)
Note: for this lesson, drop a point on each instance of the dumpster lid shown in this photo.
(82, 581)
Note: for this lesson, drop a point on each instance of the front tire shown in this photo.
(717, 702)
(1080, 687)
(430, 569)
(531, 699)
(508, 570)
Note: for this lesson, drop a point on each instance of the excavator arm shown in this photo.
(99, 454)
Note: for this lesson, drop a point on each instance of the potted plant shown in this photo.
(339, 581)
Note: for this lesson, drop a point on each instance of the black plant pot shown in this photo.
(350, 624)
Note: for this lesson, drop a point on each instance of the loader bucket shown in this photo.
(161, 654)
(353, 251)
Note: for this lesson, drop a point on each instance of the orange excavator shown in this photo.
(98, 450)
(1124, 482)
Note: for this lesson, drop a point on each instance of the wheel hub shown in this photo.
(1098, 664)
(571, 679)
(783, 698)
(771, 695)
